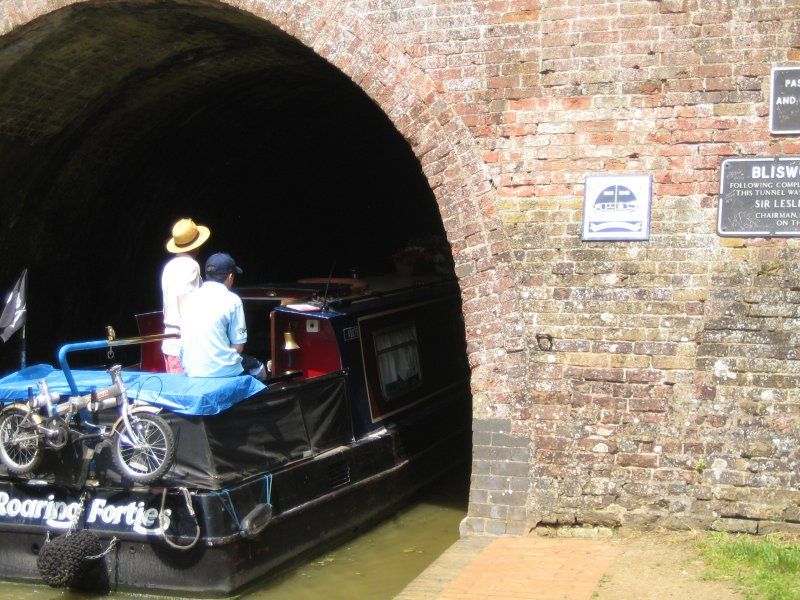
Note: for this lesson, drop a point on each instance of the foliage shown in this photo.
(767, 567)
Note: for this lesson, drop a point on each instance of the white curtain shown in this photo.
(398, 360)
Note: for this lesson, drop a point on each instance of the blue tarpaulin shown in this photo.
(177, 393)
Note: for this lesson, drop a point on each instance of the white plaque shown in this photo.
(617, 207)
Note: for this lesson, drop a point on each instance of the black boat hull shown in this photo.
(382, 409)
(224, 561)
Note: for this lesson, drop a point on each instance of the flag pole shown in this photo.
(24, 351)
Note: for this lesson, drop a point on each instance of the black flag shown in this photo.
(13, 316)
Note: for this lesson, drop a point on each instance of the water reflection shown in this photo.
(382, 561)
(377, 564)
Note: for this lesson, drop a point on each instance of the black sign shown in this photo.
(759, 197)
(784, 100)
(56, 509)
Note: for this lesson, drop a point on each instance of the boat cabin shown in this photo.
(399, 345)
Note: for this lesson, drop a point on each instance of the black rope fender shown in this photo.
(68, 560)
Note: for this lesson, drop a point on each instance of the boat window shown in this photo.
(398, 360)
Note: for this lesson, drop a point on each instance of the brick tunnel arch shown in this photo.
(449, 159)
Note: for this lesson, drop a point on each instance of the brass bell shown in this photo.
(289, 342)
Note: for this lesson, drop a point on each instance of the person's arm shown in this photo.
(237, 329)
(181, 302)
(190, 284)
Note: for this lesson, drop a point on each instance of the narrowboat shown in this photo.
(369, 401)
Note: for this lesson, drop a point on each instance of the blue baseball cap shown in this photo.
(221, 264)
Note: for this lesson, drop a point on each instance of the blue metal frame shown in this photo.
(97, 345)
(62, 358)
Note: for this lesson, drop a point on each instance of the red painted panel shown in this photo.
(318, 351)
(152, 360)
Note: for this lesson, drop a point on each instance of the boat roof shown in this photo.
(382, 294)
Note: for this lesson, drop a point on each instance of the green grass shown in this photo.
(767, 567)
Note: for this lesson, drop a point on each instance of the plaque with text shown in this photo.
(759, 197)
(784, 100)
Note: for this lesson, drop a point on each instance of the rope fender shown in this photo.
(255, 521)
(70, 560)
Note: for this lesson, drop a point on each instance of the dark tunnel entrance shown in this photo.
(118, 119)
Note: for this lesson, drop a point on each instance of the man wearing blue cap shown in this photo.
(213, 329)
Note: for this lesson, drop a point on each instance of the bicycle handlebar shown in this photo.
(95, 400)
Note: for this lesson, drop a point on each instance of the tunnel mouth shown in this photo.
(119, 118)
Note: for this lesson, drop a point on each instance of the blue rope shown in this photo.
(225, 497)
(268, 489)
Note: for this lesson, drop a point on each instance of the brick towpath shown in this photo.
(515, 568)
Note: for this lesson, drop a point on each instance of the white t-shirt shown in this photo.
(180, 277)
(212, 320)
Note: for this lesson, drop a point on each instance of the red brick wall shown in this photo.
(670, 394)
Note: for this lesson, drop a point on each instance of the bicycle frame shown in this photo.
(143, 443)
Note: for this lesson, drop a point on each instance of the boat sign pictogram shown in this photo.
(616, 207)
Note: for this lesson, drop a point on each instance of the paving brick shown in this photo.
(523, 567)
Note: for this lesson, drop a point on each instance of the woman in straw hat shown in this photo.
(180, 276)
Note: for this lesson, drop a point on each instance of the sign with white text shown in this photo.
(784, 100)
(759, 197)
(59, 510)
(616, 207)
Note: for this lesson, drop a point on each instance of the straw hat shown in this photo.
(186, 236)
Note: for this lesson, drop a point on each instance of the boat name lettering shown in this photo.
(60, 515)
(136, 516)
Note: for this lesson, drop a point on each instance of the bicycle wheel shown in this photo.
(147, 452)
(21, 446)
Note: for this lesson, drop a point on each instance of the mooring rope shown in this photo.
(226, 500)
(162, 520)
(268, 489)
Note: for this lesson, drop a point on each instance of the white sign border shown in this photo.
(772, 99)
(643, 212)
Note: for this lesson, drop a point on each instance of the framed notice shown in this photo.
(784, 100)
(759, 197)
(617, 207)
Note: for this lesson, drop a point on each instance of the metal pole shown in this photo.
(24, 351)
(96, 345)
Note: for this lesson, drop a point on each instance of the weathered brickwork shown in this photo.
(670, 394)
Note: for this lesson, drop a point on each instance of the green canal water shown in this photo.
(377, 564)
